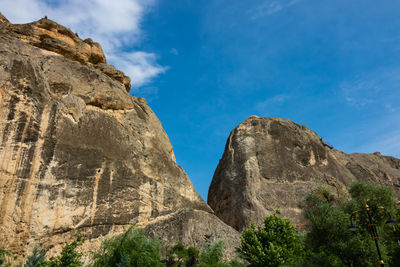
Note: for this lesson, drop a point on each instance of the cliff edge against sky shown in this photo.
(272, 163)
(78, 153)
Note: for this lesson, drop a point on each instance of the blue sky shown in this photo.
(205, 66)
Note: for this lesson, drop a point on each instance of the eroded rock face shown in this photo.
(51, 36)
(78, 154)
(57, 39)
(195, 228)
(271, 163)
(112, 72)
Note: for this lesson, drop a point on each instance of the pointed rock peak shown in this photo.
(273, 163)
(79, 155)
(3, 20)
(252, 117)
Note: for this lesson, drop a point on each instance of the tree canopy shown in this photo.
(275, 243)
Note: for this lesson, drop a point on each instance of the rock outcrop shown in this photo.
(78, 154)
(195, 228)
(272, 163)
(52, 37)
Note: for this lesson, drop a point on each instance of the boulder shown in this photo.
(195, 228)
(115, 74)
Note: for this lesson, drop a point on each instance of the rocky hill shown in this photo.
(80, 155)
(272, 163)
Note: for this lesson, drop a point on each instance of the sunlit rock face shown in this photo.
(272, 163)
(78, 154)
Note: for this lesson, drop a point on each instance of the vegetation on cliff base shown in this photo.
(327, 241)
(132, 249)
(6, 257)
(276, 243)
(135, 249)
(37, 259)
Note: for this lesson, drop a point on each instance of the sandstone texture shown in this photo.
(57, 39)
(272, 163)
(78, 154)
(195, 228)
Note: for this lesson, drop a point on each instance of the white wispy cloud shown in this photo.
(142, 66)
(386, 143)
(269, 7)
(378, 88)
(391, 108)
(149, 92)
(174, 51)
(114, 24)
(376, 94)
(271, 103)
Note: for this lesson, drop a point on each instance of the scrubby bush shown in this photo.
(329, 241)
(211, 256)
(37, 259)
(69, 256)
(178, 256)
(5, 257)
(132, 248)
(276, 243)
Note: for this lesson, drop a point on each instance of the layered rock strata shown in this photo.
(272, 163)
(78, 154)
(57, 39)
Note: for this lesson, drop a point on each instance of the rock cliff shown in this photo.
(272, 163)
(78, 153)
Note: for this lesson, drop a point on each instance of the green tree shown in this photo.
(69, 256)
(5, 257)
(276, 243)
(211, 256)
(133, 248)
(192, 257)
(329, 239)
(178, 256)
(37, 259)
(393, 246)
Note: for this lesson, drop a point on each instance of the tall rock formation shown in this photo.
(78, 153)
(272, 163)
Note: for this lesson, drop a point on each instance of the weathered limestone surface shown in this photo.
(51, 36)
(78, 154)
(271, 163)
(57, 39)
(195, 228)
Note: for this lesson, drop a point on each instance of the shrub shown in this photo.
(178, 255)
(5, 257)
(133, 248)
(329, 239)
(273, 244)
(69, 256)
(211, 256)
(37, 259)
